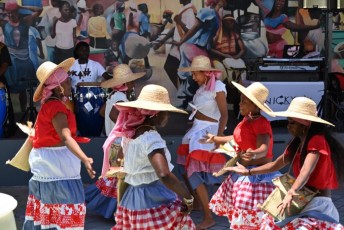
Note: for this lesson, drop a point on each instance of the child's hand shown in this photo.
(208, 138)
(248, 155)
(88, 165)
(239, 169)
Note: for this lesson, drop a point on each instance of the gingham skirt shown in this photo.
(320, 214)
(101, 197)
(238, 196)
(151, 206)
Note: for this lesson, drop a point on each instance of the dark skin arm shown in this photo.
(178, 20)
(40, 48)
(3, 68)
(53, 32)
(159, 162)
(190, 33)
(299, 27)
(222, 104)
(114, 114)
(60, 124)
(273, 166)
(306, 170)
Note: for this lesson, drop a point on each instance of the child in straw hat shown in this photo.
(150, 201)
(101, 196)
(253, 136)
(317, 162)
(211, 115)
(55, 189)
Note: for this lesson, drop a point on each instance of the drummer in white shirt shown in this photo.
(85, 70)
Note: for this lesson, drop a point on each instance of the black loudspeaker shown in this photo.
(319, 4)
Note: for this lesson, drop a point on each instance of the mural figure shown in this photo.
(82, 19)
(118, 22)
(16, 31)
(97, 28)
(64, 30)
(197, 41)
(184, 21)
(278, 27)
(45, 27)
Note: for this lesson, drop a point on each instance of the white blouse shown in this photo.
(204, 101)
(136, 163)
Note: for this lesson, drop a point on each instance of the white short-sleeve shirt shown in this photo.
(136, 163)
(92, 71)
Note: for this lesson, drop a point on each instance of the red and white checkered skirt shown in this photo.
(166, 216)
(237, 199)
(300, 223)
(107, 186)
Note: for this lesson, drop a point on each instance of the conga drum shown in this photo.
(89, 99)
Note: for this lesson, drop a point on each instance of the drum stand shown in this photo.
(30, 112)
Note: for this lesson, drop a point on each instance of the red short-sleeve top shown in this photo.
(45, 133)
(246, 132)
(324, 174)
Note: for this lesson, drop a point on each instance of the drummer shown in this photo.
(85, 70)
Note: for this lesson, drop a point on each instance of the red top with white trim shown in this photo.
(45, 133)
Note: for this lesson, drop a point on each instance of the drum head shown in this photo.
(88, 84)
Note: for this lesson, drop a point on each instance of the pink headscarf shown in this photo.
(212, 76)
(54, 80)
(127, 122)
(121, 88)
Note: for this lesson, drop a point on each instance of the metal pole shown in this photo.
(328, 56)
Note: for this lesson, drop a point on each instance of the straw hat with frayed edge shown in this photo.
(45, 70)
(257, 93)
(302, 108)
(199, 63)
(121, 74)
(152, 97)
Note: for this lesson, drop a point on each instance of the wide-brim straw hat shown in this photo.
(199, 63)
(257, 93)
(45, 70)
(302, 108)
(152, 97)
(136, 46)
(121, 74)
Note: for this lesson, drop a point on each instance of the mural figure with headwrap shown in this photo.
(16, 32)
(279, 26)
(197, 41)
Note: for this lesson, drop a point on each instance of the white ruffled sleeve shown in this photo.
(155, 141)
(220, 86)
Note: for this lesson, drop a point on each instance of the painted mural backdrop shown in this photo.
(234, 34)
